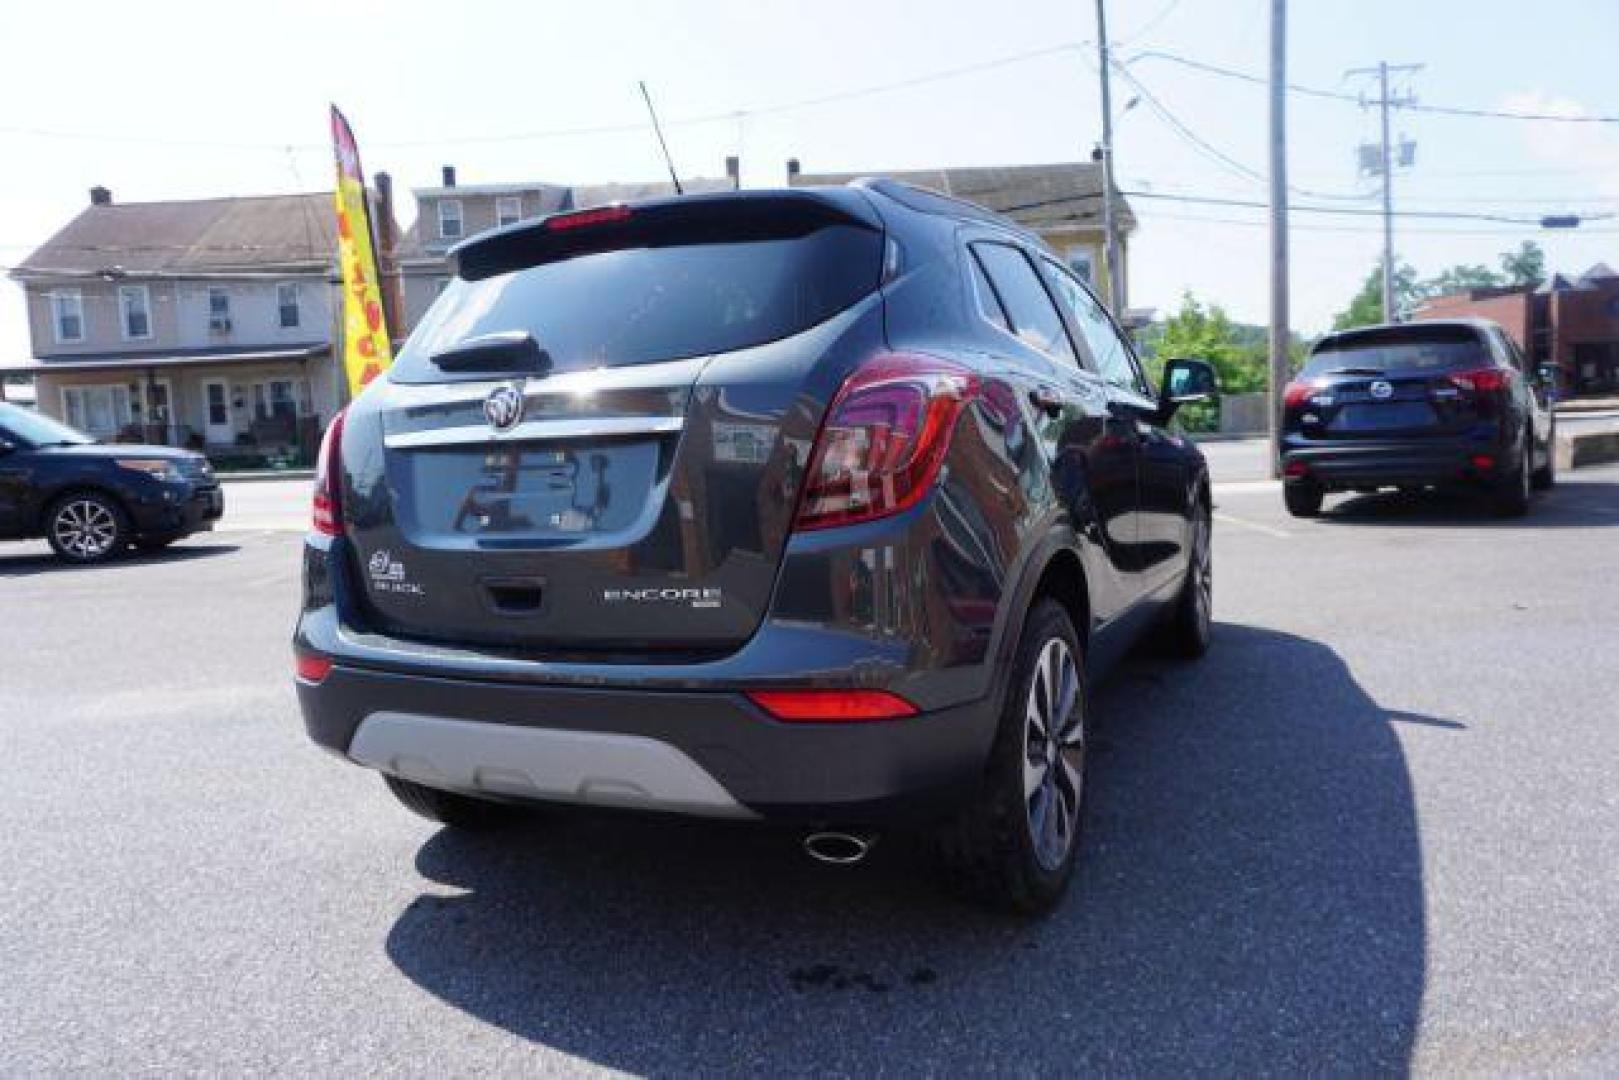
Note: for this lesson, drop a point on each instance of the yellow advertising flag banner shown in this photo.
(367, 349)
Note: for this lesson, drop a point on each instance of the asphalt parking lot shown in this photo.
(1376, 828)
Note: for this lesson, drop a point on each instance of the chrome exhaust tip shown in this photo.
(838, 848)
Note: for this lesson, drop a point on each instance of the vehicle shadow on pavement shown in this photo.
(1579, 505)
(1250, 898)
(42, 561)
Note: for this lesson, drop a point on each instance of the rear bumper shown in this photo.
(711, 753)
(1426, 462)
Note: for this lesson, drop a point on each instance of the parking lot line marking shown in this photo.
(1254, 525)
(1245, 487)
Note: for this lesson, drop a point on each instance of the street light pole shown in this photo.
(1115, 271)
(1280, 330)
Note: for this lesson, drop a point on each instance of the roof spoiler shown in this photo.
(726, 217)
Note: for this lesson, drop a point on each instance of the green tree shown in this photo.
(1366, 308)
(1459, 278)
(1525, 266)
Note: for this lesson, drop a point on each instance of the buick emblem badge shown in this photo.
(503, 408)
(1381, 390)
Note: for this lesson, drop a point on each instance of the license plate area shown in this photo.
(528, 492)
(1390, 416)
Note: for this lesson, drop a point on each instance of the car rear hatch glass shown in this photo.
(586, 442)
(1391, 382)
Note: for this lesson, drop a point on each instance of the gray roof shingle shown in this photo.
(241, 233)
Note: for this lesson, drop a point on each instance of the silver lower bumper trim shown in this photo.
(587, 767)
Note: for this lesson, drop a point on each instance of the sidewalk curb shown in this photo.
(266, 474)
(1577, 449)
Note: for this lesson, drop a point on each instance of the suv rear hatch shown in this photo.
(593, 441)
(1395, 382)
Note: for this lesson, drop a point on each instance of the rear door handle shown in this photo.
(1047, 400)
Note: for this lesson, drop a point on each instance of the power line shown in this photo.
(1355, 99)
(1352, 211)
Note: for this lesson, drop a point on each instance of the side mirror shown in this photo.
(1185, 381)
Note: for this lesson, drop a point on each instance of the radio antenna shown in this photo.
(659, 131)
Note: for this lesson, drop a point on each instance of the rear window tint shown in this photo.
(1407, 349)
(640, 304)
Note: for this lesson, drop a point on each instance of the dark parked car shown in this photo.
(817, 506)
(93, 501)
(1442, 404)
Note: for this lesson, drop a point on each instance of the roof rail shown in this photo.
(929, 201)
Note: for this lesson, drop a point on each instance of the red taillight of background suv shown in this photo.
(328, 499)
(884, 438)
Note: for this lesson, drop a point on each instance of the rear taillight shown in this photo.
(312, 667)
(832, 706)
(328, 502)
(1482, 381)
(884, 438)
(1297, 393)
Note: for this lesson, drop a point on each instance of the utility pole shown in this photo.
(1115, 269)
(1280, 330)
(1385, 165)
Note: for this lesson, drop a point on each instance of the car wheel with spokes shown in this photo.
(87, 527)
(1015, 844)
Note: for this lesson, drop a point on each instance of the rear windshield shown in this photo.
(639, 304)
(1407, 349)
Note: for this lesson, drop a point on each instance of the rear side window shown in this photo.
(1027, 303)
(1108, 350)
(1414, 349)
(633, 305)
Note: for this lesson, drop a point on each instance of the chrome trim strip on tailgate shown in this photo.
(588, 767)
(582, 427)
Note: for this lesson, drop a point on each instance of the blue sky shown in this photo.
(127, 92)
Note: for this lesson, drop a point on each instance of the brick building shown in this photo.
(1573, 323)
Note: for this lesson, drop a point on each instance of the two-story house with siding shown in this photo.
(205, 323)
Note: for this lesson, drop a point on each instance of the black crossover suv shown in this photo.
(818, 506)
(1442, 404)
(93, 501)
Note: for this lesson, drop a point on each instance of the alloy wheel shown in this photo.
(85, 528)
(1053, 753)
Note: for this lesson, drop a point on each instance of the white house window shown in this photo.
(508, 209)
(135, 303)
(1082, 261)
(286, 301)
(449, 219)
(67, 315)
(102, 411)
(218, 309)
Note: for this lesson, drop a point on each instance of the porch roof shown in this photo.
(143, 362)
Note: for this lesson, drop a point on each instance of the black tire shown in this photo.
(1303, 500)
(449, 808)
(86, 527)
(1545, 476)
(993, 851)
(1511, 498)
(1190, 627)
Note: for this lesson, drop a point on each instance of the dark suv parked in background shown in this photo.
(816, 506)
(91, 502)
(1448, 404)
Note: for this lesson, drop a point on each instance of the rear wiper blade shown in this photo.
(510, 352)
